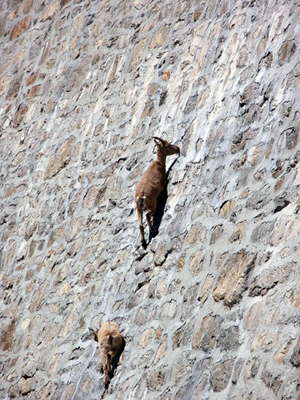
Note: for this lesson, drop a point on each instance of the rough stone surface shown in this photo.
(210, 310)
(233, 279)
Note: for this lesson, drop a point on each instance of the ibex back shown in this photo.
(152, 184)
(112, 345)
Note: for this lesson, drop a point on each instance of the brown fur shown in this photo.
(112, 345)
(152, 184)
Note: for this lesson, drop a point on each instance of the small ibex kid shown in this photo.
(152, 184)
(112, 345)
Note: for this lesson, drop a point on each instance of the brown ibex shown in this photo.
(152, 184)
(111, 344)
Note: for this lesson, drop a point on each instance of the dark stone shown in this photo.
(155, 379)
(266, 61)
(237, 370)
(291, 137)
(286, 108)
(13, 88)
(272, 381)
(238, 143)
(228, 339)
(162, 98)
(280, 204)
(206, 333)
(190, 104)
(19, 115)
(295, 358)
(251, 368)
(262, 232)
(182, 336)
(278, 169)
(197, 381)
(268, 279)
(249, 94)
(258, 199)
(7, 336)
(216, 233)
(220, 375)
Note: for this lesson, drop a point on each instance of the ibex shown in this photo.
(152, 184)
(112, 345)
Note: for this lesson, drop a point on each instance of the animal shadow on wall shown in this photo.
(161, 205)
(151, 191)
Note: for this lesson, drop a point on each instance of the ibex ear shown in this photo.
(90, 335)
(93, 334)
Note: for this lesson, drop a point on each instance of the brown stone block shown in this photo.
(196, 262)
(239, 232)
(20, 27)
(180, 263)
(227, 208)
(282, 352)
(34, 91)
(232, 281)
(61, 158)
(64, 2)
(159, 37)
(264, 342)
(196, 234)
(50, 10)
(32, 78)
(146, 337)
(26, 385)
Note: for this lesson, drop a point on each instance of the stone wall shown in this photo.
(211, 309)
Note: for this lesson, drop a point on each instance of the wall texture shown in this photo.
(211, 309)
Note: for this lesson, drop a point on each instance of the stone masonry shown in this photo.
(211, 309)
